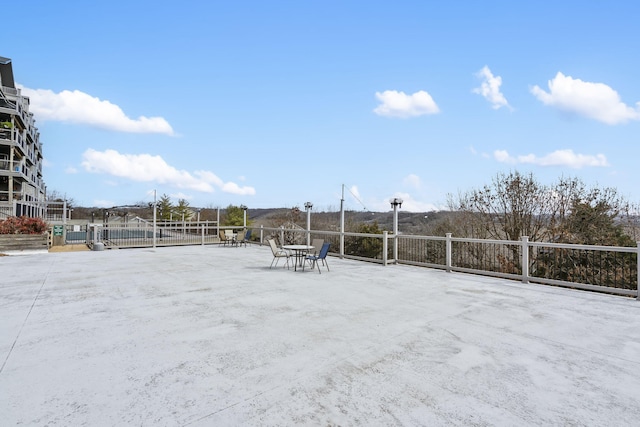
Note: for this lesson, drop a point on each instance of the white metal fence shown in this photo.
(50, 211)
(597, 268)
(607, 269)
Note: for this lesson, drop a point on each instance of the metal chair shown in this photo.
(243, 238)
(313, 259)
(278, 253)
(223, 238)
(317, 245)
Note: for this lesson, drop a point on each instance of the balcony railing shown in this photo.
(17, 196)
(16, 167)
(597, 268)
(10, 90)
(141, 234)
(608, 269)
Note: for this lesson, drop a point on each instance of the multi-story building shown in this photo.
(22, 189)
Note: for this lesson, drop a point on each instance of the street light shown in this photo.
(244, 220)
(308, 206)
(395, 203)
(155, 217)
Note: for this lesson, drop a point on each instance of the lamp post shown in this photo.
(342, 223)
(395, 203)
(308, 206)
(155, 209)
(218, 221)
(244, 216)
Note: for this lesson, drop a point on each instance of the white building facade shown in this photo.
(22, 188)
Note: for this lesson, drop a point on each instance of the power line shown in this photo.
(355, 197)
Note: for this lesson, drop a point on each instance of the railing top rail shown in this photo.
(416, 237)
(547, 244)
(493, 241)
(411, 249)
(584, 247)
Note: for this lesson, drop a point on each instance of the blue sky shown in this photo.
(273, 104)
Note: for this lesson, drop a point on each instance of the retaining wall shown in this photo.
(23, 242)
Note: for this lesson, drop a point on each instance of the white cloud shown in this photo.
(71, 170)
(409, 204)
(565, 158)
(79, 107)
(490, 88)
(354, 191)
(179, 196)
(413, 181)
(352, 194)
(593, 100)
(148, 168)
(399, 104)
(227, 187)
(503, 157)
(475, 152)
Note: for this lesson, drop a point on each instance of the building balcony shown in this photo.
(17, 195)
(10, 91)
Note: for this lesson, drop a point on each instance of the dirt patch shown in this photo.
(69, 248)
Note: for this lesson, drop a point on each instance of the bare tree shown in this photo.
(595, 216)
(512, 206)
(516, 205)
(56, 196)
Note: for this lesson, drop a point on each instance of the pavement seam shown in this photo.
(26, 318)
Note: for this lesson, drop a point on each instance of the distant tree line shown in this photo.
(515, 205)
(511, 206)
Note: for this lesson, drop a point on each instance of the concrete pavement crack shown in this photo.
(26, 318)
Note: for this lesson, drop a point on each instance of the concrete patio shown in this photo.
(210, 336)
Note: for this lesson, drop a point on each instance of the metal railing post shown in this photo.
(448, 252)
(525, 259)
(638, 271)
(202, 226)
(342, 224)
(64, 222)
(385, 247)
(395, 248)
(261, 234)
